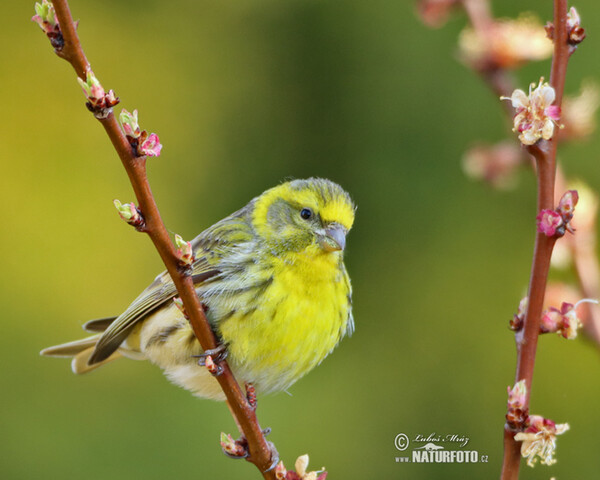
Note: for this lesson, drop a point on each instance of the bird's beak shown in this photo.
(334, 238)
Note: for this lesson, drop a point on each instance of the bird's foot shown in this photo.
(274, 454)
(212, 358)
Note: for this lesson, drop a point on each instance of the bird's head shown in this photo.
(311, 215)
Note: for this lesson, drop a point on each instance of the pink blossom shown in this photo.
(548, 221)
(551, 320)
(539, 440)
(535, 117)
(566, 206)
(151, 146)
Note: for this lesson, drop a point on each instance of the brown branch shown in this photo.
(544, 153)
(243, 412)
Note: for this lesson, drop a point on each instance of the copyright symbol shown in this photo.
(401, 441)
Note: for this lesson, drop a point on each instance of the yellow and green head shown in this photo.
(314, 213)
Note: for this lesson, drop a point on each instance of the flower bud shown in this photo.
(548, 223)
(151, 146)
(280, 471)
(518, 319)
(185, 252)
(566, 206)
(517, 412)
(231, 447)
(129, 213)
(129, 122)
(45, 17)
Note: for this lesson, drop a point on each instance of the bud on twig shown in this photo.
(129, 122)
(554, 223)
(179, 304)
(45, 17)
(99, 102)
(280, 471)
(213, 368)
(130, 213)
(150, 146)
(517, 412)
(575, 33)
(233, 448)
(518, 319)
(185, 253)
(142, 143)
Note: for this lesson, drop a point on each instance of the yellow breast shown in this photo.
(302, 316)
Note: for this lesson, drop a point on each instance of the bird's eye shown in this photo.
(306, 213)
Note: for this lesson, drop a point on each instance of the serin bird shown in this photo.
(275, 289)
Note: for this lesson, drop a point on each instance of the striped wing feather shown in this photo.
(210, 247)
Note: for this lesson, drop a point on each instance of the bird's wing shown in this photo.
(210, 247)
(161, 291)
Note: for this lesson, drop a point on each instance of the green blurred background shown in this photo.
(244, 94)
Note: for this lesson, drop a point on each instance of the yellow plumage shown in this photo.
(274, 285)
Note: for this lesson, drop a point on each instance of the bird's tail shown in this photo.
(81, 350)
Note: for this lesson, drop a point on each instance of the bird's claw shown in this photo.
(218, 354)
(212, 358)
(274, 456)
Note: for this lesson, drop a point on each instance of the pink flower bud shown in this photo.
(129, 122)
(129, 213)
(91, 87)
(210, 365)
(566, 206)
(548, 221)
(573, 18)
(517, 411)
(280, 471)
(551, 321)
(517, 395)
(45, 16)
(185, 252)
(151, 146)
(232, 447)
(516, 323)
